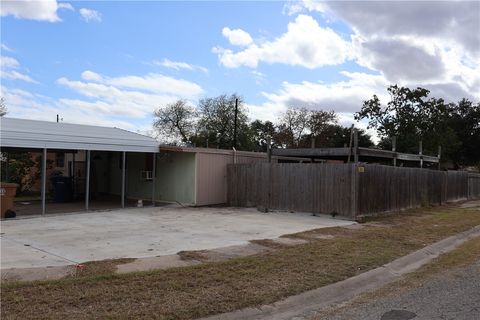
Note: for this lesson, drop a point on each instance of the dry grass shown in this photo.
(215, 287)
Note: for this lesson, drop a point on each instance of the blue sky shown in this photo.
(113, 63)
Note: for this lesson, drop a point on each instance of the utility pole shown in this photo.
(235, 125)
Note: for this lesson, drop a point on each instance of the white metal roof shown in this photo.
(22, 133)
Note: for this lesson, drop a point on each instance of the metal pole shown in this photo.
(123, 178)
(44, 180)
(7, 160)
(235, 125)
(154, 179)
(74, 179)
(87, 182)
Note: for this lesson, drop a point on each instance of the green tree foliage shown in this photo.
(464, 121)
(176, 119)
(298, 126)
(411, 116)
(216, 123)
(20, 168)
(262, 133)
(336, 136)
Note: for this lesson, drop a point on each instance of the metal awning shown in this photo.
(22, 133)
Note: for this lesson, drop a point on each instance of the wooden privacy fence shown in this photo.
(348, 190)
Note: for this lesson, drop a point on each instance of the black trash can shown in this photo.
(62, 189)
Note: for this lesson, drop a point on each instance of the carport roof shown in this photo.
(22, 133)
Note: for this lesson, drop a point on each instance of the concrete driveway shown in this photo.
(138, 233)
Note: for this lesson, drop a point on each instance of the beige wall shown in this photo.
(211, 168)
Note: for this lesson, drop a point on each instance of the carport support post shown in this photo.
(87, 182)
(123, 178)
(154, 179)
(44, 180)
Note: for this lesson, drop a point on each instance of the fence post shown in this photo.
(354, 191)
(420, 152)
(355, 145)
(394, 149)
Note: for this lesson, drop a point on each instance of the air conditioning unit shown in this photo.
(147, 175)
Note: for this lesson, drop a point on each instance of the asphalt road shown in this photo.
(451, 295)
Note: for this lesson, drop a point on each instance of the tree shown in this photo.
(411, 117)
(298, 127)
(464, 120)
(336, 136)
(262, 132)
(216, 124)
(291, 127)
(319, 121)
(176, 119)
(3, 107)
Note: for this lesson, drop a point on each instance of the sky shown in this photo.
(113, 63)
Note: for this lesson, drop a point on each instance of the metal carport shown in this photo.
(44, 135)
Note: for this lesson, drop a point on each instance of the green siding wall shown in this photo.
(175, 177)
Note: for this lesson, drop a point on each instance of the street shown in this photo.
(452, 294)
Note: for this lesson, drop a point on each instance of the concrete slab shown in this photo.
(141, 232)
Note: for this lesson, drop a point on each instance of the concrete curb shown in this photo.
(306, 303)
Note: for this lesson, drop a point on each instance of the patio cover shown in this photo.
(22, 133)
(45, 135)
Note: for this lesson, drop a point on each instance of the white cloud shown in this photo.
(8, 70)
(15, 75)
(44, 10)
(27, 105)
(133, 96)
(104, 100)
(8, 62)
(91, 76)
(6, 48)
(293, 7)
(65, 5)
(179, 65)
(304, 44)
(237, 37)
(432, 44)
(90, 15)
(152, 82)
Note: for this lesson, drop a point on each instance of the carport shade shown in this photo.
(23, 133)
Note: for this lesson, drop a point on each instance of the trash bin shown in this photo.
(62, 188)
(7, 194)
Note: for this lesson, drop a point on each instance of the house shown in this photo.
(111, 167)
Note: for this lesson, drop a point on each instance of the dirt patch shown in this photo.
(197, 255)
(96, 268)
